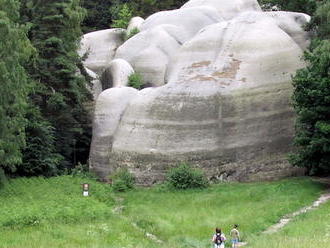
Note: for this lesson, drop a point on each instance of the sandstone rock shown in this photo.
(100, 47)
(202, 16)
(116, 74)
(109, 109)
(293, 24)
(226, 107)
(227, 8)
(96, 87)
(148, 52)
(135, 22)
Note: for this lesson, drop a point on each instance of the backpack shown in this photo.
(218, 239)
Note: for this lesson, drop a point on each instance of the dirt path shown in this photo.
(118, 211)
(287, 218)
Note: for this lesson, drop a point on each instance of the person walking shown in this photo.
(234, 234)
(219, 239)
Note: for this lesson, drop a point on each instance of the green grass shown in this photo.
(26, 202)
(189, 217)
(308, 230)
(51, 212)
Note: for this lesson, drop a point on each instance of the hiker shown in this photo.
(219, 239)
(234, 234)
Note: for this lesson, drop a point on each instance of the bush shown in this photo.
(122, 14)
(135, 81)
(185, 177)
(122, 180)
(133, 32)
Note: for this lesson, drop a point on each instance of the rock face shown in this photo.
(116, 74)
(225, 106)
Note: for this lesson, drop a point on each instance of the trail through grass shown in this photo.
(188, 218)
(52, 213)
(308, 230)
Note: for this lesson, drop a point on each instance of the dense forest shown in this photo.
(45, 124)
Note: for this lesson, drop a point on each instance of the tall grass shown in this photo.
(189, 217)
(52, 213)
(308, 230)
(26, 202)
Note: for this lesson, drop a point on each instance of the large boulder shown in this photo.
(110, 106)
(116, 74)
(293, 24)
(98, 48)
(95, 87)
(134, 23)
(149, 51)
(226, 8)
(226, 105)
(161, 35)
(202, 16)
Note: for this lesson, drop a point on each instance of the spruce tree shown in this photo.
(312, 99)
(61, 91)
(15, 50)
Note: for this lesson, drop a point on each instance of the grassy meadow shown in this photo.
(40, 212)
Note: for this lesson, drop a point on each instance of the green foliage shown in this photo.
(60, 93)
(133, 32)
(305, 6)
(320, 22)
(15, 50)
(135, 80)
(3, 179)
(39, 155)
(122, 14)
(102, 13)
(185, 177)
(311, 100)
(98, 15)
(122, 180)
(312, 104)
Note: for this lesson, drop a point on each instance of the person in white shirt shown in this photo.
(219, 239)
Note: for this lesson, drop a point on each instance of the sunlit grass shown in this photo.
(181, 218)
(51, 212)
(308, 230)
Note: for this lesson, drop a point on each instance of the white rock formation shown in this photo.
(226, 105)
(293, 24)
(161, 35)
(134, 23)
(99, 47)
(148, 51)
(226, 8)
(96, 87)
(202, 16)
(109, 109)
(116, 74)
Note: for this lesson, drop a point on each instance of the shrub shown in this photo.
(122, 180)
(122, 14)
(185, 177)
(133, 32)
(135, 81)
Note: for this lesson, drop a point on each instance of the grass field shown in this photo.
(51, 212)
(309, 230)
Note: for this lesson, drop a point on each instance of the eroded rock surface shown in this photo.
(225, 106)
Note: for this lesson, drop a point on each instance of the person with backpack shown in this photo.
(219, 239)
(234, 233)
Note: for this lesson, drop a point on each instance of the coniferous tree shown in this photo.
(312, 99)
(61, 91)
(15, 50)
